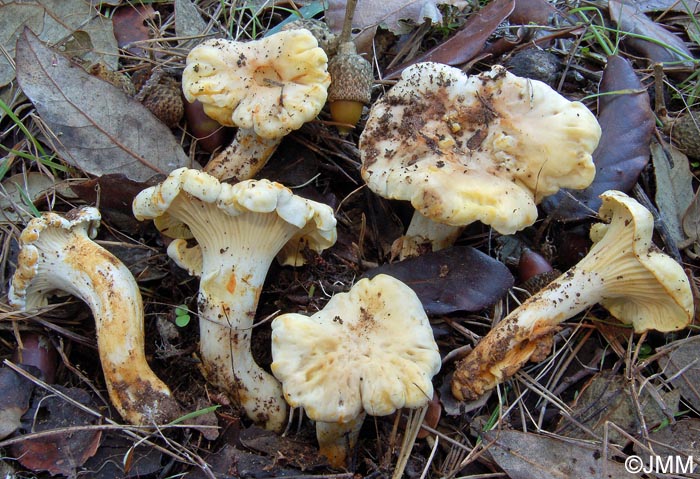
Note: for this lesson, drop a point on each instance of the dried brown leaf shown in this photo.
(98, 128)
(674, 187)
(607, 398)
(531, 456)
(658, 45)
(682, 368)
(55, 21)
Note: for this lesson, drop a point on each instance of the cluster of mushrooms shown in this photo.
(486, 147)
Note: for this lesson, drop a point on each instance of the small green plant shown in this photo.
(182, 316)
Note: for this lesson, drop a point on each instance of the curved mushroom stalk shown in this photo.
(58, 255)
(230, 286)
(623, 271)
(424, 235)
(336, 440)
(239, 229)
(244, 157)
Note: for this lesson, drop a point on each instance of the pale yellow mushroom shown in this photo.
(238, 229)
(369, 351)
(623, 271)
(462, 148)
(58, 256)
(267, 88)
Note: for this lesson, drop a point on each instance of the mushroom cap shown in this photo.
(654, 293)
(315, 221)
(486, 147)
(273, 85)
(29, 289)
(369, 349)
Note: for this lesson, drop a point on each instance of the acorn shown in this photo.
(534, 271)
(685, 133)
(351, 86)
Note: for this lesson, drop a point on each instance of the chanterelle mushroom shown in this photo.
(57, 256)
(486, 147)
(238, 229)
(267, 88)
(370, 350)
(623, 271)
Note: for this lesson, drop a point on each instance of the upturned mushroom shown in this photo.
(623, 271)
(462, 148)
(58, 256)
(238, 231)
(369, 351)
(267, 88)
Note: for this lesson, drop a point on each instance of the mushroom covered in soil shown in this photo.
(369, 351)
(267, 88)
(238, 229)
(58, 256)
(623, 271)
(462, 148)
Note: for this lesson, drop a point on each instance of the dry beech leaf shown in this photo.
(674, 187)
(98, 128)
(684, 355)
(665, 47)
(460, 278)
(188, 21)
(15, 392)
(627, 122)
(531, 456)
(131, 27)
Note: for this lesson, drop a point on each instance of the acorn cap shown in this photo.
(351, 76)
(324, 36)
(684, 131)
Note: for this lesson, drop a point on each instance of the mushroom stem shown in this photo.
(424, 233)
(337, 439)
(244, 157)
(623, 271)
(57, 254)
(230, 286)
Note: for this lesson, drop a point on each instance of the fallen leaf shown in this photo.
(650, 39)
(674, 187)
(55, 21)
(532, 456)
(397, 16)
(627, 123)
(684, 355)
(606, 398)
(108, 461)
(62, 452)
(674, 439)
(460, 278)
(98, 128)
(667, 5)
(16, 190)
(188, 21)
(131, 26)
(464, 45)
(298, 454)
(15, 392)
(691, 219)
(229, 459)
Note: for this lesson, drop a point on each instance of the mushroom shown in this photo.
(461, 148)
(623, 271)
(58, 256)
(267, 88)
(369, 351)
(238, 231)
